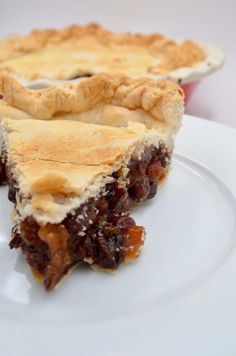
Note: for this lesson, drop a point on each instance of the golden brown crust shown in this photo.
(38, 39)
(60, 164)
(69, 141)
(160, 101)
(186, 54)
(93, 49)
(12, 112)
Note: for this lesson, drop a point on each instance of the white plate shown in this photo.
(178, 299)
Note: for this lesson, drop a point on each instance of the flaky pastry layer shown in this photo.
(103, 99)
(84, 50)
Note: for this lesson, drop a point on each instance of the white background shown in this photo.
(212, 21)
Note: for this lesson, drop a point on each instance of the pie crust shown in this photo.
(79, 51)
(103, 99)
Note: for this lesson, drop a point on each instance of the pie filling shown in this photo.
(80, 75)
(2, 172)
(100, 231)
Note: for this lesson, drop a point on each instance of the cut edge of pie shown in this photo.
(74, 185)
(158, 57)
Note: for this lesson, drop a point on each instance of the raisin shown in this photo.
(153, 190)
(125, 222)
(141, 188)
(2, 172)
(116, 198)
(110, 244)
(12, 194)
(30, 229)
(153, 171)
(16, 240)
(81, 219)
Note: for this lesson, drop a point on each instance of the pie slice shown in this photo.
(82, 51)
(75, 182)
(74, 185)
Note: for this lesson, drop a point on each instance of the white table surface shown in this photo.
(212, 21)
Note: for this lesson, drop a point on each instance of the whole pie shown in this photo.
(82, 51)
(75, 182)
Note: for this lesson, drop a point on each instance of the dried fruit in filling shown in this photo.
(99, 232)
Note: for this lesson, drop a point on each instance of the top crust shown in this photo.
(80, 50)
(71, 164)
(39, 39)
(104, 99)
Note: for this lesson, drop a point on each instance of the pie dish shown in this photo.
(74, 183)
(82, 51)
